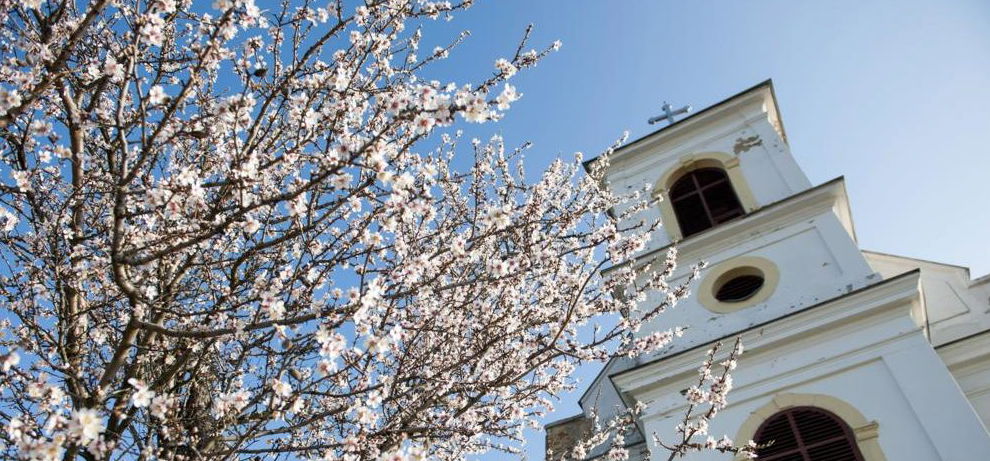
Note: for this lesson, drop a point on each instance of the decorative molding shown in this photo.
(830, 196)
(745, 144)
(963, 351)
(867, 432)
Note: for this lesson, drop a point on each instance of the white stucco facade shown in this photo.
(898, 348)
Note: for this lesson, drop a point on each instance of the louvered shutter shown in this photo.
(806, 434)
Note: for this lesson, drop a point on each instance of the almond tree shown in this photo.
(229, 232)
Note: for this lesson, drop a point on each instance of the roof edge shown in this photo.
(963, 339)
(923, 260)
(768, 83)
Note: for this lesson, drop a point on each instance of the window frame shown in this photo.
(703, 192)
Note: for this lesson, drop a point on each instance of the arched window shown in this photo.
(703, 198)
(806, 434)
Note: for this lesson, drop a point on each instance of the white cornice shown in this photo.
(893, 298)
(796, 208)
(966, 351)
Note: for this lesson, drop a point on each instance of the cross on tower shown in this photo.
(668, 113)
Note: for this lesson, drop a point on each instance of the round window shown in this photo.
(738, 283)
(739, 288)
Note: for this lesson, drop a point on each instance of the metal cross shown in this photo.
(668, 113)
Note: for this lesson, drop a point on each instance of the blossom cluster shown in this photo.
(709, 395)
(238, 229)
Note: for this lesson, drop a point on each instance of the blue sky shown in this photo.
(894, 95)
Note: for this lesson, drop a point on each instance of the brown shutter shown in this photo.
(703, 198)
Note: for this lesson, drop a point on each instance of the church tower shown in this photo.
(845, 356)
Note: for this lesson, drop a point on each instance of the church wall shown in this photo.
(895, 352)
(816, 261)
(866, 387)
(883, 369)
(968, 360)
(957, 307)
(770, 169)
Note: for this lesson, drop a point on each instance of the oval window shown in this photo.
(739, 288)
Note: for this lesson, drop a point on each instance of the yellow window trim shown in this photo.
(742, 265)
(688, 163)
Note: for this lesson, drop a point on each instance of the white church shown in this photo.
(850, 354)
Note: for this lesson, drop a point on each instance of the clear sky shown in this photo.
(893, 95)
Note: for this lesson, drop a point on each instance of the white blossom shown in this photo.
(152, 32)
(86, 425)
(507, 97)
(251, 229)
(282, 388)
(11, 360)
(9, 99)
(142, 395)
(159, 406)
(505, 67)
(8, 220)
(156, 95)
